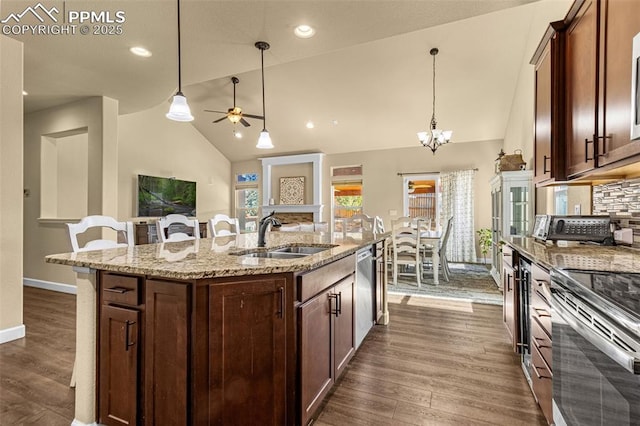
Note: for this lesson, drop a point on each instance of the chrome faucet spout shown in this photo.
(264, 224)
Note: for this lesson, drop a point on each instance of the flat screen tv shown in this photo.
(158, 196)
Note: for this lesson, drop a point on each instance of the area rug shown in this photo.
(468, 281)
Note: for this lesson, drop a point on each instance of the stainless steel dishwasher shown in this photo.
(365, 286)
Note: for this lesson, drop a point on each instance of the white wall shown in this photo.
(150, 144)
(11, 165)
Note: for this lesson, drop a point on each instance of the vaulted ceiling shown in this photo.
(364, 79)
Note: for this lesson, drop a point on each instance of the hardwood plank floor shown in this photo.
(438, 362)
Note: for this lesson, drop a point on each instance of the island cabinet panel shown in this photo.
(248, 352)
(166, 360)
(118, 373)
(541, 349)
(326, 342)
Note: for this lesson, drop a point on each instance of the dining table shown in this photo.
(430, 240)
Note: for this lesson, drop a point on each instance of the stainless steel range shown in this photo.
(596, 348)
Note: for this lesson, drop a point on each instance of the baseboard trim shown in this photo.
(77, 422)
(13, 333)
(49, 285)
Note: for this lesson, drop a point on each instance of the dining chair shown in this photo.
(378, 227)
(221, 224)
(96, 223)
(172, 228)
(442, 250)
(99, 221)
(357, 224)
(405, 247)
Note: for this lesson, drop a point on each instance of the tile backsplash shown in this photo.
(621, 200)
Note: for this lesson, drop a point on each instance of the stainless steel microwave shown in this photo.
(635, 89)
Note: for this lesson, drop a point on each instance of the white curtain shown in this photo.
(457, 202)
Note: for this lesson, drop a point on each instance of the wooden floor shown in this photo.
(438, 362)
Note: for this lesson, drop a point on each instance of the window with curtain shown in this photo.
(458, 202)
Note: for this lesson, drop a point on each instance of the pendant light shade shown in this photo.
(264, 141)
(179, 110)
(434, 138)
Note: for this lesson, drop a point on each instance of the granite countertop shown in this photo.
(216, 257)
(574, 255)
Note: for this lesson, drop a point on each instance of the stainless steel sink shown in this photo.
(289, 252)
(275, 255)
(305, 250)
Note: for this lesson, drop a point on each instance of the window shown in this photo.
(346, 187)
(246, 201)
(422, 198)
(560, 198)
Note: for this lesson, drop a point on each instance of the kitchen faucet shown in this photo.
(264, 224)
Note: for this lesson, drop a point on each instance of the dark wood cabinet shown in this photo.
(120, 349)
(549, 157)
(120, 354)
(166, 352)
(248, 365)
(598, 83)
(510, 293)
(581, 87)
(326, 342)
(619, 23)
(541, 349)
(326, 331)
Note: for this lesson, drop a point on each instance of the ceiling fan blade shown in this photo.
(220, 112)
(259, 117)
(220, 119)
(244, 122)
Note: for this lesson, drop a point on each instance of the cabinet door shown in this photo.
(316, 367)
(344, 336)
(510, 306)
(581, 90)
(248, 352)
(119, 353)
(166, 352)
(543, 157)
(621, 20)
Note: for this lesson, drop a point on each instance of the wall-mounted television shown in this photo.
(159, 196)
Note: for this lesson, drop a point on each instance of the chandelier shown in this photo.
(434, 137)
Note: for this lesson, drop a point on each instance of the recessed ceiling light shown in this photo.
(140, 51)
(334, 122)
(310, 125)
(304, 31)
(24, 93)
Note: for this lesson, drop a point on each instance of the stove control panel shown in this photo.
(580, 228)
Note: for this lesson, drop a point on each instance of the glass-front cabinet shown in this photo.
(511, 211)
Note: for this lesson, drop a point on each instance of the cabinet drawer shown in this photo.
(542, 383)
(120, 289)
(542, 341)
(324, 277)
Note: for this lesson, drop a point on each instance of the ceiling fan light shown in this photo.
(264, 141)
(179, 110)
(234, 118)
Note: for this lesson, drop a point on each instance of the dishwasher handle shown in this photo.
(364, 255)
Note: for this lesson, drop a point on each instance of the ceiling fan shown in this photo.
(235, 114)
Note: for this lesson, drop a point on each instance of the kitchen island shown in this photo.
(212, 331)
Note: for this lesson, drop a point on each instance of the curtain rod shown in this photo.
(428, 173)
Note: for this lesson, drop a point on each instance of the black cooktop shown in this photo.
(608, 291)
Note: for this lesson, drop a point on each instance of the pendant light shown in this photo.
(264, 141)
(179, 110)
(434, 138)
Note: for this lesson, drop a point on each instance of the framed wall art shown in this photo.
(292, 190)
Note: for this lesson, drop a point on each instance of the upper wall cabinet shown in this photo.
(599, 37)
(549, 159)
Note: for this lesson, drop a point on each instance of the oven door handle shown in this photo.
(624, 358)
